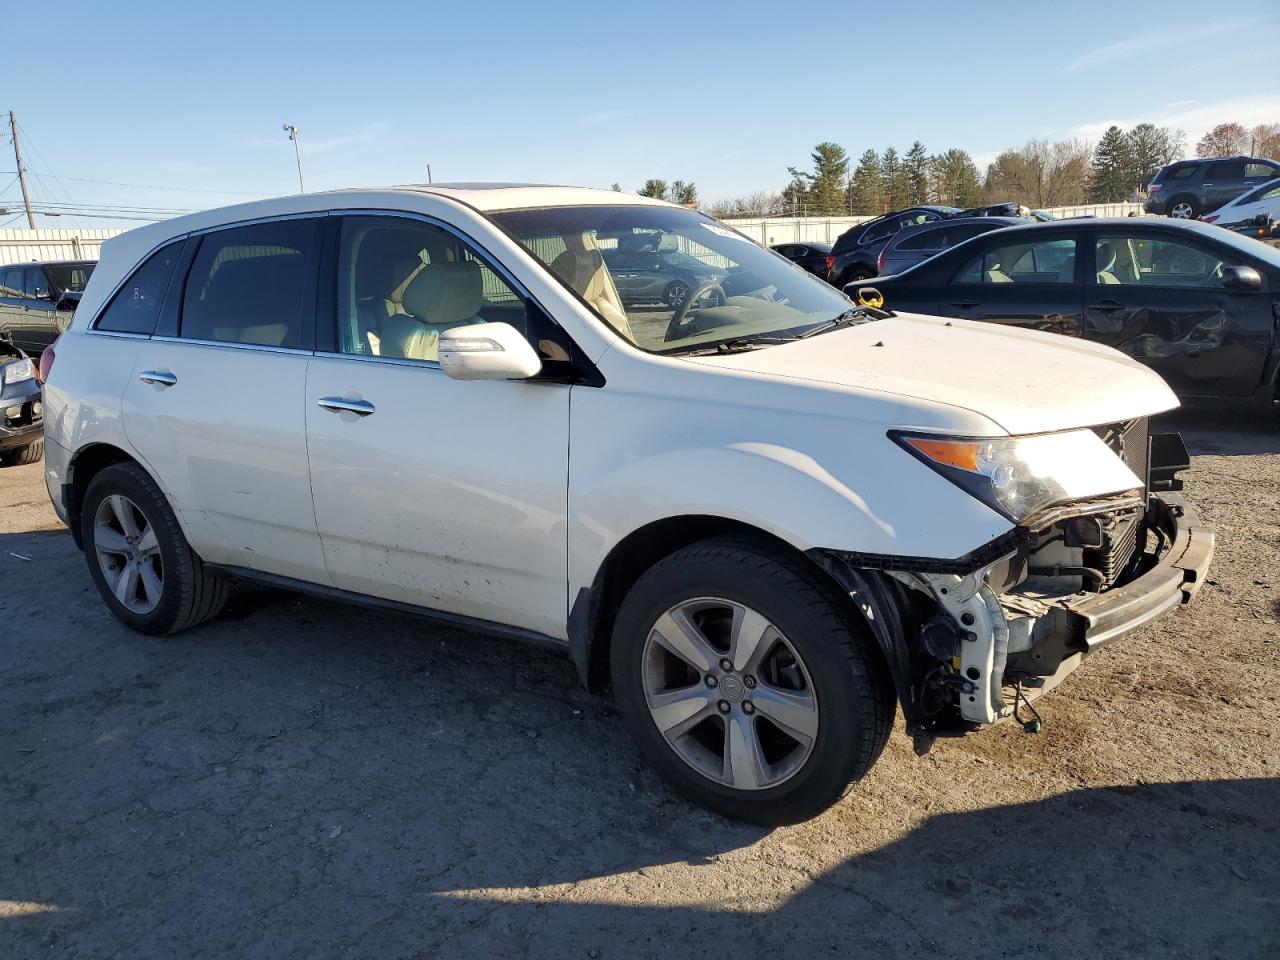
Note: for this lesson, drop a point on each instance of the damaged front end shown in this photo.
(977, 639)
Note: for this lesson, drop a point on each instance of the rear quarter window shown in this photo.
(136, 306)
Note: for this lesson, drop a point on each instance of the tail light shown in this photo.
(46, 364)
(1210, 219)
(1153, 188)
(831, 264)
(880, 261)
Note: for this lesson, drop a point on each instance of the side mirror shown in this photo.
(1261, 220)
(487, 351)
(1241, 279)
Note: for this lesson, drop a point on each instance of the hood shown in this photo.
(1023, 380)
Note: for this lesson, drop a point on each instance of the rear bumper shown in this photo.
(1153, 205)
(1174, 579)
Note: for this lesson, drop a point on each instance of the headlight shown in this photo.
(1021, 476)
(17, 370)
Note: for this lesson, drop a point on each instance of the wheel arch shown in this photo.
(594, 609)
(85, 464)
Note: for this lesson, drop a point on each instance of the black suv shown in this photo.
(857, 250)
(37, 300)
(1189, 189)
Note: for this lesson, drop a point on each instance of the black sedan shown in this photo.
(814, 256)
(1196, 304)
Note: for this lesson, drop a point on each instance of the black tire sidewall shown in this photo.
(806, 623)
(175, 556)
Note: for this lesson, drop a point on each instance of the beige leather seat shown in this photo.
(583, 270)
(439, 297)
(1106, 262)
(996, 275)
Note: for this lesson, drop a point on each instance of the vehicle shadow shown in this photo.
(304, 778)
(1225, 431)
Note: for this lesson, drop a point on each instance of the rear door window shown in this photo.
(254, 285)
(136, 306)
(1260, 171)
(1225, 170)
(1045, 261)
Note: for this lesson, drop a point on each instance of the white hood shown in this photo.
(1024, 380)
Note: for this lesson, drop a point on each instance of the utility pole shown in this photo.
(290, 129)
(22, 173)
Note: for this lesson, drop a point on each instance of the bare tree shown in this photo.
(1041, 174)
(1265, 141)
(761, 203)
(1224, 140)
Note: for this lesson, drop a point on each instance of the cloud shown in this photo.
(1195, 119)
(1191, 38)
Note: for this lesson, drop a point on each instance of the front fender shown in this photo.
(881, 502)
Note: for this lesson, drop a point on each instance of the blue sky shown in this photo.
(724, 94)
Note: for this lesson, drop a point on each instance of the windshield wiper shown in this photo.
(737, 345)
(844, 319)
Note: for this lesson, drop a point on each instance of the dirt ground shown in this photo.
(303, 779)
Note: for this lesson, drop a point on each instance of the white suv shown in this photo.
(763, 512)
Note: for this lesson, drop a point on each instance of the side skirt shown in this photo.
(364, 600)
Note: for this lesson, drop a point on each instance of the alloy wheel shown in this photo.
(729, 693)
(1182, 211)
(676, 294)
(128, 554)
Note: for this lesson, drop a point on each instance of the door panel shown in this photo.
(1030, 282)
(449, 495)
(1163, 304)
(228, 440)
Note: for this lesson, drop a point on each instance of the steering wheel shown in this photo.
(678, 319)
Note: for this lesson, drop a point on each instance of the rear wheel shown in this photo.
(21, 456)
(675, 293)
(854, 275)
(1184, 208)
(744, 683)
(139, 559)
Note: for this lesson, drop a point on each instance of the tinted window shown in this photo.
(11, 282)
(881, 231)
(401, 283)
(70, 277)
(249, 285)
(135, 308)
(1225, 170)
(1260, 171)
(1180, 173)
(1147, 261)
(36, 284)
(1046, 261)
(925, 240)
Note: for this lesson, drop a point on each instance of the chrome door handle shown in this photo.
(161, 378)
(361, 408)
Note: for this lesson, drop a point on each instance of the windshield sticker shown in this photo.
(720, 231)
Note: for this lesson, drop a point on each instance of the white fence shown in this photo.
(23, 246)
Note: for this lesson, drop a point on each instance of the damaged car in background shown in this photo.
(765, 515)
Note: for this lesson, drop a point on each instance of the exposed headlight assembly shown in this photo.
(15, 371)
(1020, 477)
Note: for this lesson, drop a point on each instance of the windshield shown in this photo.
(69, 277)
(671, 280)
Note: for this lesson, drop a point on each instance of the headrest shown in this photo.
(576, 268)
(445, 293)
(1106, 255)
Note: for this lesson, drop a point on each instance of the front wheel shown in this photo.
(744, 682)
(20, 456)
(138, 557)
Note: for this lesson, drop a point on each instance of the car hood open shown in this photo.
(1023, 380)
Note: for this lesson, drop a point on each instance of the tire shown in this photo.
(187, 594)
(675, 293)
(827, 666)
(20, 456)
(855, 275)
(1183, 207)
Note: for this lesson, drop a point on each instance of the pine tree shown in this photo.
(866, 186)
(1150, 148)
(956, 179)
(897, 184)
(654, 188)
(916, 164)
(1111, 170)
(683, 193)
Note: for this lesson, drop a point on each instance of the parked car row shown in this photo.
(1189, 189)
(1195, 303)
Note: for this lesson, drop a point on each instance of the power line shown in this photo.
(152, 186)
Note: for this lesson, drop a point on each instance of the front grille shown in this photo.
(1124, 533)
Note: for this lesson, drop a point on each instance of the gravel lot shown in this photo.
(303, 779)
